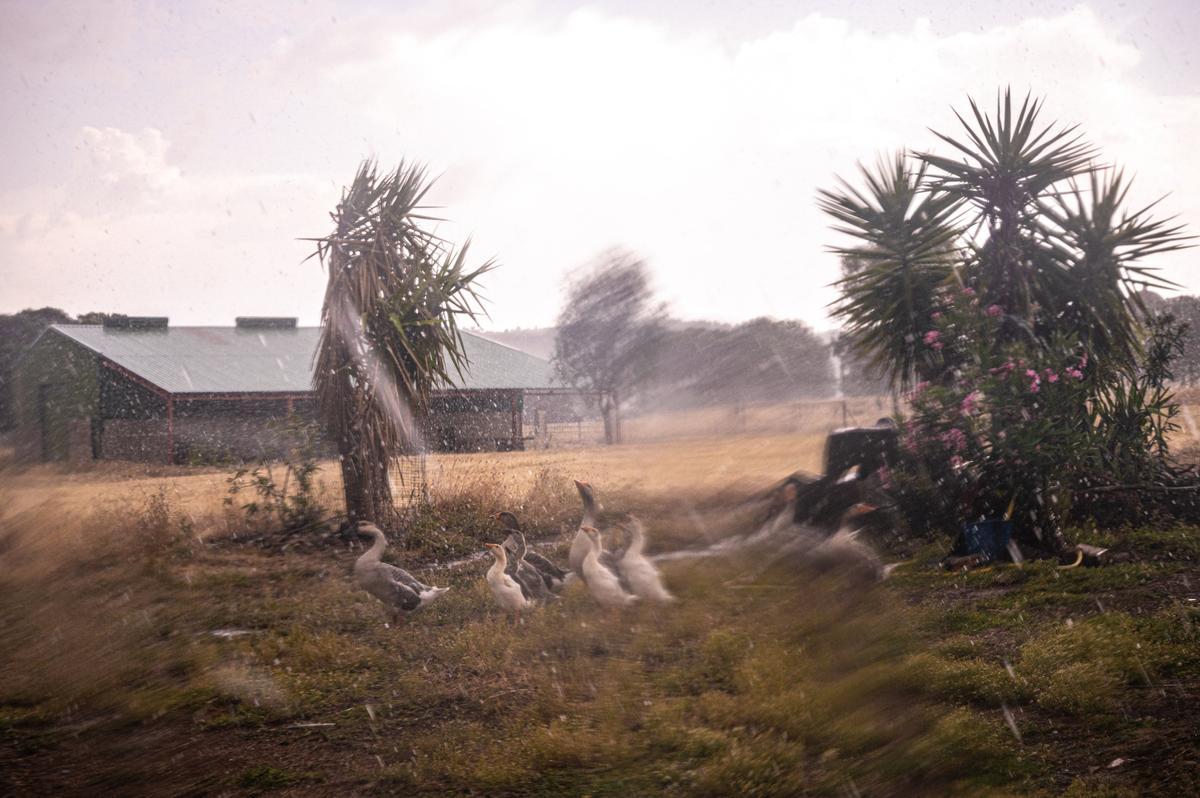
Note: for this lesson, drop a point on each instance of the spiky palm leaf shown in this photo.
(389, 327)
(906, 238)
(1101, 247)
(1006, 165)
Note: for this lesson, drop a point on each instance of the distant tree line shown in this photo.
(761, 360)
(17, 332)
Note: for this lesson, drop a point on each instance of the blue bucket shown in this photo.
(989, 538)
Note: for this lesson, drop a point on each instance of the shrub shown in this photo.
(284, 501)
(1026, 428)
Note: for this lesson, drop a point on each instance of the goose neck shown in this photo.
(375, 553)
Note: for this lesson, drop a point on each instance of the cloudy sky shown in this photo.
(165, 158)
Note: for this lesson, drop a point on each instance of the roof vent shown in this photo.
(267, 322)
(122, 322)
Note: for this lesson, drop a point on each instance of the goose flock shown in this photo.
(520, 579)
(611, 565)
(614, 577)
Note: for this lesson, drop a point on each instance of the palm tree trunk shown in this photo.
(367, 490)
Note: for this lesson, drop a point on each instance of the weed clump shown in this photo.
(1081, 668)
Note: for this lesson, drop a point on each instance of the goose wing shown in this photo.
(545, 566)
(604, 584)
(402, 577)
(531, 582)
(611, 561)
(643, 579)
(401, 594)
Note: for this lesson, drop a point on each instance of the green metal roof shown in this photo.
(203, 360)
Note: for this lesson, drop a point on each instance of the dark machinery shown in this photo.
(852, 456)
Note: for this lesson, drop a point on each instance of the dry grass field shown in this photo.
(697, 451)
(151, 645)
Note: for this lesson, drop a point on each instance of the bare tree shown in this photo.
(1186, 309)
(608, 333)
(389, 328)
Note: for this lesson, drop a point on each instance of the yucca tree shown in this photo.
(1002, 170)
(1006, 216)
(905, 237)
(389, 330)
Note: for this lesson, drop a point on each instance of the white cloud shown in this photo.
(555, 139)
(135, 163)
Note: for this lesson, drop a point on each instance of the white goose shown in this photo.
(582, 544)
(399, 590)
(601, 582)
(639, 573)
(508, 593)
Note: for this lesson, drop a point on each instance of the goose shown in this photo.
(508, 593)
(602, 583)
(529, 578)
(400, 592)
(581, 545)
(554, 577)
(845, 552)
(639, 573)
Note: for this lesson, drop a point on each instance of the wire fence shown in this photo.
(408, 477)
(583, 432)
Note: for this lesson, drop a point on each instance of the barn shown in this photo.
(137, 388)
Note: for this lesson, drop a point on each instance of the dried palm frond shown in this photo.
(389, 327)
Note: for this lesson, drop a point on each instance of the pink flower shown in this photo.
(1075, 373)
(1005, 369)
(932, 336)
(969, 402)
(921, 386)
(937, 314)
(956, 461)
(1051, 376)
(1083, 361)
(954, 439)
(968, 292)
(994, 311)
(1034, 380)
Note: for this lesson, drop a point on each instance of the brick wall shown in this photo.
(200, 438)
(142, 440)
